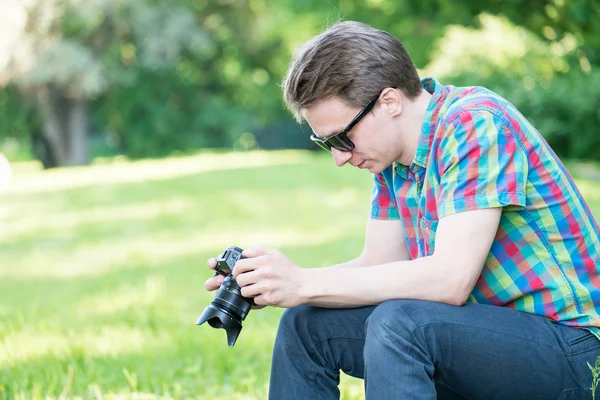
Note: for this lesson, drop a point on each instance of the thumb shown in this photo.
(257, 251)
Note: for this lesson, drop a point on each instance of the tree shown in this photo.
(420, 23)
(555, 20)
(65, 53)
(167, 75)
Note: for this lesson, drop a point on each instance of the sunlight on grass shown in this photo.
(589, 190)
(25, 218)
(103, 269)
(150, 250)
(122, 298)
(148, 170)
(36, 217)
(106, 341)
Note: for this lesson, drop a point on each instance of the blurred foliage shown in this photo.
(161, 114)
(556, 20)
(517, 54)
(16, 118)
(173, 75)
(566, 111)
(555, 94)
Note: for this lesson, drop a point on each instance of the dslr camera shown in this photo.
(228, 308)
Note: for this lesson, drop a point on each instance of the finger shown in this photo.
(252, 290)
(247, 264)
(260, 301)
(212, 263)
(257, 251)
(249, 278)
(214, 283)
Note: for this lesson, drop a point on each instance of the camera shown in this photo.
(228, 308)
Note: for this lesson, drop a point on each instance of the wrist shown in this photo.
(308, 285)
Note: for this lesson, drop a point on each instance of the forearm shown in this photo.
(425, 279)
(366, 261)
(357, 262)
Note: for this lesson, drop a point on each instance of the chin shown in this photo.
(377, 169)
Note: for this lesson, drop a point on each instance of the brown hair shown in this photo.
(351, 60)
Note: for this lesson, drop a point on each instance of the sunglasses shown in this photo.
(340, 141)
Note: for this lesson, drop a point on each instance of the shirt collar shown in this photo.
(438, 96)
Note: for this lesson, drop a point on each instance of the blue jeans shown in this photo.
(412, 349)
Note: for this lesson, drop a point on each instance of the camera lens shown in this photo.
(227, 310)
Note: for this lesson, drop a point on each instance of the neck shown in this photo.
(414, 115)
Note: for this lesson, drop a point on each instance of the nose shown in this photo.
(341, 157)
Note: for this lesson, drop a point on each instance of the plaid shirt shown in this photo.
(476, 151)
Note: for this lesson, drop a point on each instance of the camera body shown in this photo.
(226, 260)
(228, 308)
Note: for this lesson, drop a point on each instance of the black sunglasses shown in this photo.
(340, 141)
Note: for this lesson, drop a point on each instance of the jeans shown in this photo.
(413, 349)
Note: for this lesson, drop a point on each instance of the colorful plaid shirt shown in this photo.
(477, 151)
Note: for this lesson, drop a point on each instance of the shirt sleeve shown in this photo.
(383, 200)
(482, 164)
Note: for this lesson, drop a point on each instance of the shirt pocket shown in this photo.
(429, 229)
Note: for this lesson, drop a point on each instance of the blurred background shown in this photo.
(140, 137)
(147, 78)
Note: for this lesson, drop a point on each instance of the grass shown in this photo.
(102, 269)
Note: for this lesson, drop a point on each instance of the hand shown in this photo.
(215, 282)
(270, 277)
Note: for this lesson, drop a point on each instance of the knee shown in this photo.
(393, 314)
(394, 322)
(408, 314)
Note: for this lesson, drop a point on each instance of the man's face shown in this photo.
(372, 136)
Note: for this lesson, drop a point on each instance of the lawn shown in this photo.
(102, 268)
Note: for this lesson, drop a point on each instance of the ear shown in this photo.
(391, 101)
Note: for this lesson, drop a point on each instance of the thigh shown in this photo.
(483, 351)
(335, 337)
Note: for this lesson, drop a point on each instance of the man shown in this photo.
(478, 278)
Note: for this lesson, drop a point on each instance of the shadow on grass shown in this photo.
(148, 344)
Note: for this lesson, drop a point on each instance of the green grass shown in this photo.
(102, 269)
